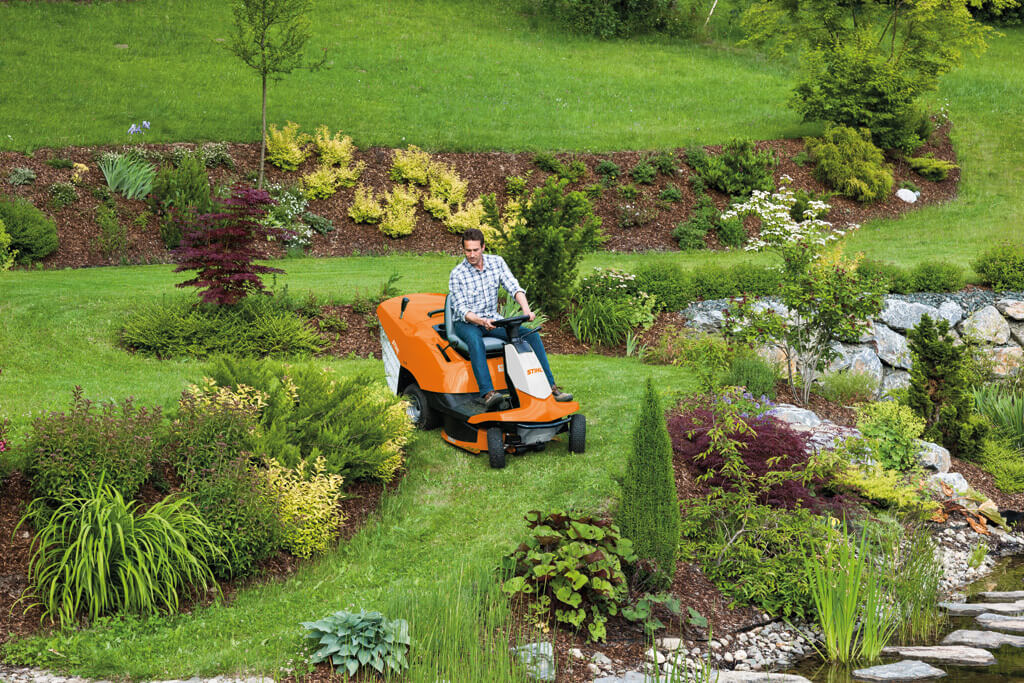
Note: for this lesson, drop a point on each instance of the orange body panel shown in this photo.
(478, 446)
(530, 410)
(415, 343)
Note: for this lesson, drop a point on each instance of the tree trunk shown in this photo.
(263, 132)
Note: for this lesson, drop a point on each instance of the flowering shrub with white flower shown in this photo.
(826, 300)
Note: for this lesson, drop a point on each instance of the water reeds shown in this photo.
(915, 576)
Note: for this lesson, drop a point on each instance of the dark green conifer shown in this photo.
(649, 510)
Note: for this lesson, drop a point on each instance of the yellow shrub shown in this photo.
(437, 207)
(307, 501)
(6, 253)
(207, 394)
(348, 175)
(321, 183)
(888, 488)
(365, 208)
(333, 151)
(469, 216)
(78, 172)
(446, 184)
(400, 212)
(411, 166)
(287, 148)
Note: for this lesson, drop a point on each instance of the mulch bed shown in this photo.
(484, 171)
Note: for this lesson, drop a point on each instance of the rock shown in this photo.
(892, 347)
(1017, 332)
(670, 644)
(907, 670)
(933, 456)
(865, 361)
(1001, 596)
(793, 415)
(1006, 360)
(988, 326)
(707, 321)
(951, 312)
(593, 669)
(628, 677)
(895, 379)
(953, 480)
(577, 653)
(989, 640)
(973, 609)
(1011, 308)
(1001, 622)
(538, 659)
(601, 659)
(842, 359)
(654, 655)
(755, 677)
(909, 196)
(904, 315)
(958, 655)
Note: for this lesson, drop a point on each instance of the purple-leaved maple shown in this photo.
(221, 247)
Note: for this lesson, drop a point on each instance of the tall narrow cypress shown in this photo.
(649, 510)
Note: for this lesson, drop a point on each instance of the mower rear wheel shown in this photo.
(419, 411)
(496, 448)
(577, 433)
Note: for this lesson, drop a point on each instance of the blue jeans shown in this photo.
(474, 335)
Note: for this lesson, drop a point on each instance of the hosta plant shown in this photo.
(571, 568)
(350, 640)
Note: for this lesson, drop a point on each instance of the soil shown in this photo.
(484, 171)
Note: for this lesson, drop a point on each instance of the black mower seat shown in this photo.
(492, 345)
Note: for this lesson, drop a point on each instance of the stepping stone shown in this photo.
(1001, 622)
(756, 677)
(957, 655)
(1001, 596)
(990, 640)
(907, 670)
(973, 609)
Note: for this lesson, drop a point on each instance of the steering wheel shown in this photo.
(508, 322)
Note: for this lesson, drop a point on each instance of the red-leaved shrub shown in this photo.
(771, 439)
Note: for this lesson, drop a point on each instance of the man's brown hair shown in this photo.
(473, 235)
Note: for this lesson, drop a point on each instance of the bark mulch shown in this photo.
(484, 171)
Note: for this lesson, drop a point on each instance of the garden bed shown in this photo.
(484, 171)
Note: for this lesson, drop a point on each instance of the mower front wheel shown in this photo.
(577, 433)
(496, 448)
(419, 411)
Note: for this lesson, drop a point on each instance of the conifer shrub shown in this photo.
(7, 254)
(738, 170)
(1002, 267)
(930, 168)
(469, 215)
(850, 163)
(365, 208)
(649, 510)
(937, 276)
(939, 390)
(334, 150)
(287, 148)
(33, 235)
(180, 193)
(437, 207)
(321, 182)
(400, 211)
(411, 166)
(446, 184)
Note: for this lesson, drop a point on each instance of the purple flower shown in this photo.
(134, 129)
(145, 124)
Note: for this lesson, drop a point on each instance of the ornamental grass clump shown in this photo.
(129, 174)
(649, 510)
(97, 555)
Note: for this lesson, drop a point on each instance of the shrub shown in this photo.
(320, 183)
(755, 280)
(446, 184)
(97, 554)
(21, 176)
(939, 390)
(998, 13)
(128, 174)
(599, 321)
(593, 191)
(738, 170)
(179, 194)
(1002, 267)
(515, 185)
(847, 387)
(437, 207)
(78, 173)
(350, 641)
(547, 162)
(33, 234)
(307, 500)
(851, 164)
(705, 218)
(628, 191)
(468, 216)
(608, 169)
(649, 509)
(712, 282)
(216, 154)
(1006, 464)
(930, 168)
(890, 277)
(62, 194)
(317, 223)
(69, 451)
(631, 216)
(665, 162)
(668, 283)
(690, 233)
(222, 248)
(891, 431)
(643, 173)
(287, 148)
(671, 193)
(333, 150)
(353, 422)
(937, 276)
(571, 567)
(7, 255)
(887, 488)
(59, 163)
(545, 245)
(410, 166)
(730, 231)
(247, 531)
(365, 208)
(400, 211)
(752, 372)
(113, 238)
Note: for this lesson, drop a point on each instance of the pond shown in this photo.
(1008, 575)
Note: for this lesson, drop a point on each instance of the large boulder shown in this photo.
(799, 417)
(1011, 308)
(906, 670)
(864, 361)
(987, 325)
(1006, 360)
(904, 315)
(953, 480)
(707, 321)
(951, 311)
(1017, 332)
(894, 379)
(892, 347)
(933, 457)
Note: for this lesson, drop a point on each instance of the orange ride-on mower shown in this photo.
(429, 365)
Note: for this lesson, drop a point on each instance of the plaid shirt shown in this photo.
(476, 291)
